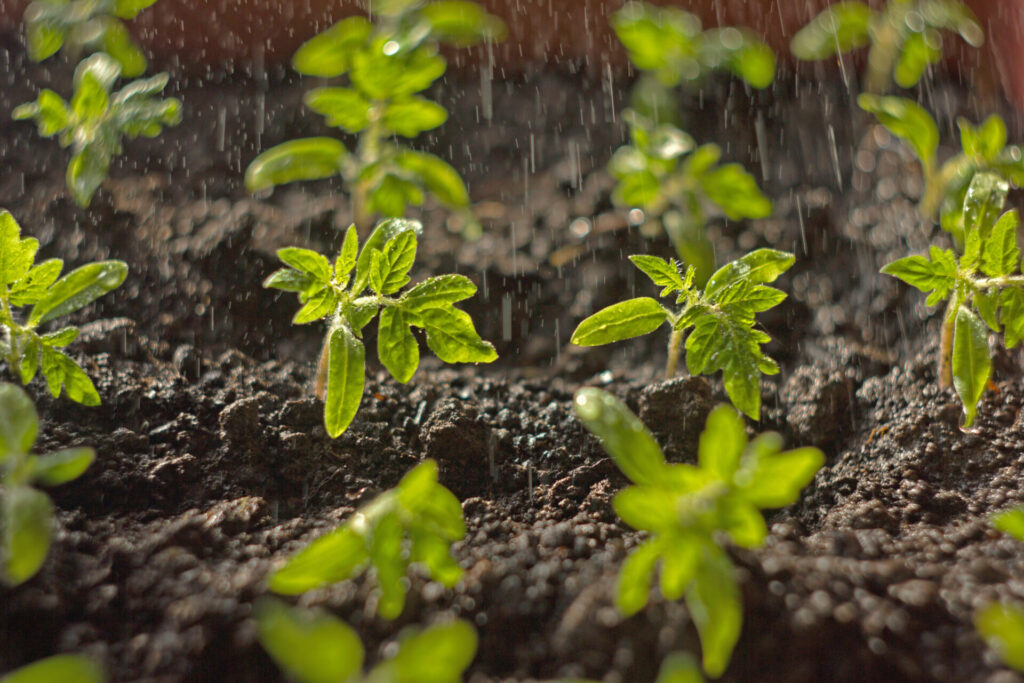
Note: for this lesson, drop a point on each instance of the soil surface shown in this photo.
(213, 464)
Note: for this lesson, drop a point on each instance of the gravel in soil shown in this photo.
(213, 463)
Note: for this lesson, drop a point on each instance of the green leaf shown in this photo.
(431, 504)
(63, 466)
(307, 261)
(290, 280)
(58, 668)
(462, 23)
(346, 260)
(79, 288)
(715, 607)
(721, 342)
(308, 645)
(938, 274)
(91, 99)
(646, 508)
(436, 175)
(129, 9)
(770, 479)
(1002, 627)
(50, 111)
(439, 654)
(453, 338)
(331, 558)
(986, 305)
(19, 423)
(86, 172)
(634, 583)
(384, 232)
(991, 137)
(386, 556)
(1000, 254)
(391, 196)
(662, 273)
(920, 50)
(329, 54)
(679, 667)
(743, 522)
(640, 189)
(679, 562)
(344, 108)
(622, 434)
(1011, 314)
(983, 203)
(44, 40)
(624, 320)
(906, 120)
(971, 363)
(398, 256)
(758, 267)
(1010, 522)
(101, 68)
(346, 369)
(396, 346)
(410, 116)
(32, 287)
(722, 443)
(27, 526)
(741, 52)
(382, 76)
(30, 359)
(438, 292)
(16, 254)
(62, 372)
(842, 27)
(304, 159)
(117, 42)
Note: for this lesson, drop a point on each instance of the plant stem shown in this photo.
(320, 389)
(674, 343)
(946, 350)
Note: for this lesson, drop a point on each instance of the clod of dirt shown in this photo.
(240, 423)
(460, 441)
(817, 405)
(675, 411)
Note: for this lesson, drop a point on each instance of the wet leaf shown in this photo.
(971, 362)
(624, 320)
(396, 346)
(346, 368)
(622, 435)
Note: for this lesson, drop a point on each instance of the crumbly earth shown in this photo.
(213, 464)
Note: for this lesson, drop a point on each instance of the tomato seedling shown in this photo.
(388, 60)
(95, 121)
(336, 293)
(685, 507)
(722, 318)
(26, 283)
(905, 37)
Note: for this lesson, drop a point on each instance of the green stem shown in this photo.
(368, 153)
(885, 45)
(946, 349)
(674, 345)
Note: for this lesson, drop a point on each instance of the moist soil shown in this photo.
(213, 465)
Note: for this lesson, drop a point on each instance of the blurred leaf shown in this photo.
(19, 423)
(330, 53)
(715, 606)
(436, 175)
(622, 435)
(906, 120)
(1002, 627)
(304, 159)
(409, 116)
(344, 108)
(1010, 522)
(920, 50)
(26, 522)
(840, 28)
(58, 669)
(310, 646)
(462, 23)
(63, 466)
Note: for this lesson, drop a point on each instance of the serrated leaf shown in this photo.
(346, 260)
(938, 274)
(438, 292)
(760, 266)
(346, 370)
(304, 159)
(308, 645)
(396, 345)
(289, 280)
(322, 303)
(971, 362)
(662, 273)
(398, 256)
(78, 288)
(29, 364)
(16, 254)
(453, 338)
(31, 288)
(840, 28)
(624, 320)
(1000, 255)
(906, 120)
(62, 372)
(307, 261)
(27, 527)
(622, 435)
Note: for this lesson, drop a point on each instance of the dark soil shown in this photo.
(213, 464)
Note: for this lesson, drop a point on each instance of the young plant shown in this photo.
(905, 37)
(416, 521)
(722, 318)
(333, 292)
(984, 151)
(95, 120)
(58, 668)
(85, 26)
(387, 63)
(686, 509)
(983, 285)
(313, 647)
(1011, 522)
(26, 514)
(662, 171)
(1002, 627)
(26, 283)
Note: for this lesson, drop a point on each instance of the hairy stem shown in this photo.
(946, 351)
(320, 388)
(674, 344)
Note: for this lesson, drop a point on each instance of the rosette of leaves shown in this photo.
(93, 123)
(387, 62)
(984, 150)
(39, 285)
(664, 173)
(85, 25)
(722, 318)
(338, 293)
(26, 514)
(311, 646)
(982, 285)
(905, 37)
(58, 668)
(415, 522)
(685, 508)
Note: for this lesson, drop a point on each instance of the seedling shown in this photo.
(415, 522)
(722, 318)
(25, 350)
(686, 509)
(984, 150)
(905, 37)
(313, 647)
(85, 26)
(1011, 522)
(95, 120)
(58, 668)
(330, 292)
(983, 285)
(1002, 626)
(662, 171)
(26, 514)
(387, 62)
